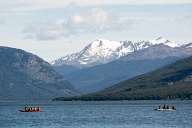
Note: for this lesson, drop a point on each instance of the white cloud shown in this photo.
(91, 21)
(95, 20)
(51, 32)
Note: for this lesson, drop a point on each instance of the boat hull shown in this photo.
(29, 111)
(164, 109)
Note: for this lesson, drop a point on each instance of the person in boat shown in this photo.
(173, 107)
(164, 106)
(32, 109)
(38, 109)
(26, 109)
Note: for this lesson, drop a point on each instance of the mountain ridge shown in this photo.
(103, 51)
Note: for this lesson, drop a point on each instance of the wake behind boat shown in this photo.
(166, 108)
(31, 109)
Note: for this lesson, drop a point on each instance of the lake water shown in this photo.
(104, 114)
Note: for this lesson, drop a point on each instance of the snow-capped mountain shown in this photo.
(189, 45)
(161, 40)
(103, 51)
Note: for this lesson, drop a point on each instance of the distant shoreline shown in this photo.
(112, 99)
(86, 100)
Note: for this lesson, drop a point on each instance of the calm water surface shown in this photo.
(104, 114)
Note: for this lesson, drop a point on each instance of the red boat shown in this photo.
(31, 109)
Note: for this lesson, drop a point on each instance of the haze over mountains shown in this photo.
(104, 63)
(24, 76)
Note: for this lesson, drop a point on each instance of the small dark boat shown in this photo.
(166, 108)
(31, 109)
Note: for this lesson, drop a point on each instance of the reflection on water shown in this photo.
(103, 114)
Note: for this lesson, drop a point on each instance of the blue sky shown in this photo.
(54, 28)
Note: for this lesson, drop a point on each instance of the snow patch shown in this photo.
(102, 51)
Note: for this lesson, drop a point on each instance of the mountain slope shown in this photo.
(173, 81)
(66, 70)
(24, 76)
(170, 82)
(102, 76)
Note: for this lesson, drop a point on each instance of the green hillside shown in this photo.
(171, 82)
